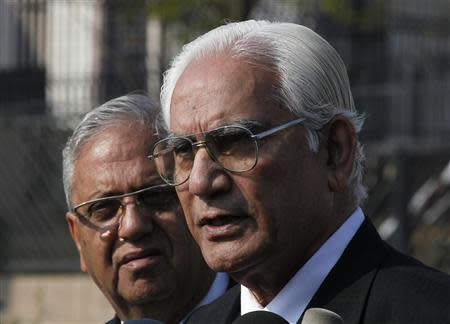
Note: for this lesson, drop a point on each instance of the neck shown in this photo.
(266, 281)
(268, 278)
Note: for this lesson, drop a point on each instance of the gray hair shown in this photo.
(311, 81)
(126, 109)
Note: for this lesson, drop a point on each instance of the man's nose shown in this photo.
(207, 176)
(134, 222)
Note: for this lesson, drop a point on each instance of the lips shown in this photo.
(218, 220)
(141, 258)
(222, 226)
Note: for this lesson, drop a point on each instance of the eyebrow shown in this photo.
(250, 124)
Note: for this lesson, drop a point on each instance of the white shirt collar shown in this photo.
(291, 301)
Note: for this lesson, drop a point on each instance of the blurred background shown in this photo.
(61, 58)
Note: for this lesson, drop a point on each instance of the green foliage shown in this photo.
(199, 14)
(206, 11)
(369, 16)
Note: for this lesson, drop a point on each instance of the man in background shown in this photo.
(127, 225)
(268, 167)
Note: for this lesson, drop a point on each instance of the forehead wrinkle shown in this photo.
(129, 175)
(117, 148)
(114, 162)
(214, 80)
(118, 177)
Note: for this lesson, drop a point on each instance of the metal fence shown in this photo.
(33, 234)
(60, 58)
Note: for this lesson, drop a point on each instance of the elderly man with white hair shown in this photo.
(265, 158)
(126, 222)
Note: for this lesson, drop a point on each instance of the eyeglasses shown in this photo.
(106, 212)
(234, 148)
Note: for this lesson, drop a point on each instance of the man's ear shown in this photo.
(74, 223)
(341, 145)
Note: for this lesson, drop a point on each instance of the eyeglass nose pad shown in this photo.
(146, 222)
(108, 232)
(199, 145)
(207, 148)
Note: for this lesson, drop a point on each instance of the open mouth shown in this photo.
(223, 226)
(220, 221)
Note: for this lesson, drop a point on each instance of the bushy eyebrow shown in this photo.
(252, 125)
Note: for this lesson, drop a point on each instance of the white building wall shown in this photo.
(74, 30)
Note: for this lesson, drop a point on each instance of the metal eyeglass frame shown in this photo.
(196, 145)
(115, 197)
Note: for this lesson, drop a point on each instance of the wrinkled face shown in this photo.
(270, 218)
(157, 255)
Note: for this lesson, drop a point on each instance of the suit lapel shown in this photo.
(346, 288)
(222, 311)
(114, 320)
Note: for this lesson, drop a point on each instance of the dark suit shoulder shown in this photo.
(224, 309)
(114, 320)
(407, 291)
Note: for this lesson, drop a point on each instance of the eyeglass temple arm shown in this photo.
(154, 156)
(257, 136)
(278, 128)
(120, 196)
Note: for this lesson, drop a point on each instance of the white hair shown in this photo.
(311, 78)
(128, 109)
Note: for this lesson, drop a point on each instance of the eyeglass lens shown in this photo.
(232, 147)
(108, 211)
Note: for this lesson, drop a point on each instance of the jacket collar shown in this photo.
(350, 281)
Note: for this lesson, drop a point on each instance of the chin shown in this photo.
(143, 299)
(226, 263)
(142, 293)
(236, 257)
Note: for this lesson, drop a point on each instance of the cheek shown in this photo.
(186, 201)
(96, 253)
(278, 191)
(173, 226)
(172, 223)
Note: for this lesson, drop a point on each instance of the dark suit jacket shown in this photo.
(116, 320)
(371, 283)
